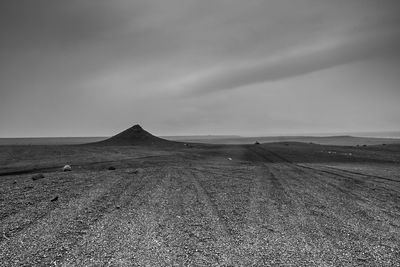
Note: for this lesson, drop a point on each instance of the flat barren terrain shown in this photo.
(280, 204)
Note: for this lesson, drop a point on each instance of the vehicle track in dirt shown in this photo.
(50, 235)
(258, 210)
(33, 197)
(271, 156)
(174, 222)
(117, 229)
(355, 214)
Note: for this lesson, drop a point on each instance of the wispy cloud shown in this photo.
(112, 60)
(295, 62)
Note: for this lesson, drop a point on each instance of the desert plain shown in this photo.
(162, 203)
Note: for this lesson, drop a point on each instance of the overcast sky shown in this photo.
(96, 67)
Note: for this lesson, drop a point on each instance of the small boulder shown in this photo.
(54, 199)
(37, 176)
(67, 168)
(256, 143)
(111, 168)
(229, 158)
(136, 171)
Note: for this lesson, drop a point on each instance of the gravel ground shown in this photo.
(197, 208)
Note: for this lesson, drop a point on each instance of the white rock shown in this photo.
(67, 168)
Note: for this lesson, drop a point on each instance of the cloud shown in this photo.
(112, 59)
(295, 62)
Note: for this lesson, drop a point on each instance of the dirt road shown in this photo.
(258, 209)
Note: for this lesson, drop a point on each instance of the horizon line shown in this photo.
(307, 134)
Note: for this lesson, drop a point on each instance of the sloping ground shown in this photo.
(258, 209)
(31, 159)
(135, 135)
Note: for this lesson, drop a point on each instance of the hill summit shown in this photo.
(135, 135)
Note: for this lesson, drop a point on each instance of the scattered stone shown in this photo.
(117, 207)
(111, 168)
(268, 228)
(37, 176)
(229, 158)
(138, 170)
(67, 168)
(135, 171)
(14, 182)
(54, 199)
(256, 143)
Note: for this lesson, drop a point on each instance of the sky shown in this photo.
(181, 67)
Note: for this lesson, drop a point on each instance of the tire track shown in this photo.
(190, 229)
(345, 219)
(310, 213)
(171, 227)
(224, 239)
(259, 230)
(49, 238)
(105, 239)
(350, 181)
(335, 172)
(23, 219)
(316, 222)
(297, 230)
(369, 195)
(37, 199)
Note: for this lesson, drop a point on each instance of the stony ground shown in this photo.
(195, 207)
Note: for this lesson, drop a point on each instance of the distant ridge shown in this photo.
(135, 135)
